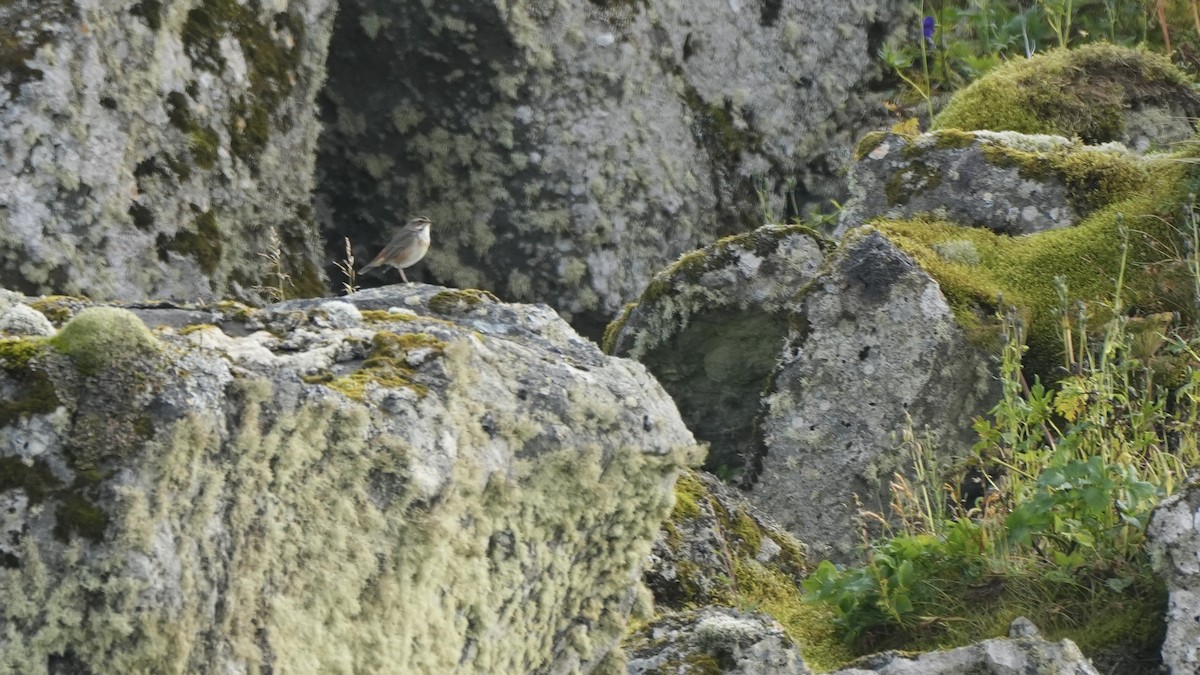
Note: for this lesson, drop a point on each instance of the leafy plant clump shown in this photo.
(1047, 517)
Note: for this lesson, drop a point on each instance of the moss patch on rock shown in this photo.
(35, 393)
(459, 300)
(387, 365)
(103, 337)
(1079, 92)
(1020, 271)
(204, 243)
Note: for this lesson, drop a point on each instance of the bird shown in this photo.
(405, 249)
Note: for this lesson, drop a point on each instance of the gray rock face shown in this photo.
(565, 151)
(1174, 540)
(803, 369)
(152, 147)
(1024, 653)
(407, 478)
(1007, 182)
(711, 328)
(714, 639)
(878, 345)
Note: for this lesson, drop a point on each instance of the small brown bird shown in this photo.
(405, 249)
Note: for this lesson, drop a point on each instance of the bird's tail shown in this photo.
(370, 266)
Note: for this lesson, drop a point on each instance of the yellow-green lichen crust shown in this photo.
(386, 366)
(1078, 92)
(459, 299)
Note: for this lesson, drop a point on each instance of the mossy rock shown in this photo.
(1003, 271)
(103, 337)
(1085, 92)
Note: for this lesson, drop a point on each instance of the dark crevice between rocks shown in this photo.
(715, 370)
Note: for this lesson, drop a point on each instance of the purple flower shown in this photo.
(929, 26)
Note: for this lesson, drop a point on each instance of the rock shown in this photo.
(1173, 540)
(155, 147)
(711, 328)
(712, 640)
(1027, 655)
(21, 319)
(565, 151)
(1007, 182)
(318, 486)
(878, 348)
(1098, 92)
(716, 548)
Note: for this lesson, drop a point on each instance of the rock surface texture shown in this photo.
(714, 640)
(1174, 536)
(879, 349)
(405, 476)
(1007, 182)
(1024, 652)
(565, 151)
(152, 147)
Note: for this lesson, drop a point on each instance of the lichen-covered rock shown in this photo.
(1174, 542)
(360, 485)
(1024, 652)
(565, 151)
(714, 640)
(1098, 92)
(1007, 182)
(153, 147)
(878, 348)
(714, 545)
(712, 325)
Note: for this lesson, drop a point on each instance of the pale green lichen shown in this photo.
(386, 366)
(317, 511)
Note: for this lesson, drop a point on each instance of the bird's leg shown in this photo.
(404, 276)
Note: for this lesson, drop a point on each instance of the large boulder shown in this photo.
(408, 478)
(796, 368)
(711, 326)
(565, 151)
(1098, 93)
(159, 149)
(1174, 541)
(879, 348)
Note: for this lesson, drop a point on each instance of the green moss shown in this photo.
(58, 308)
(203, 141)
(945, 139)
(272, 63)
(1092, 178)
(74, 514)
(151, 11)
(868, 144)
(36, 479)
(459, 300)
(1079, 92)
(688, 491)
(35, 392)
(386, 365)
(99, 338)
(613, 329)
(235, 310)
(77, 516)
(205, 243)
(913, 179)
